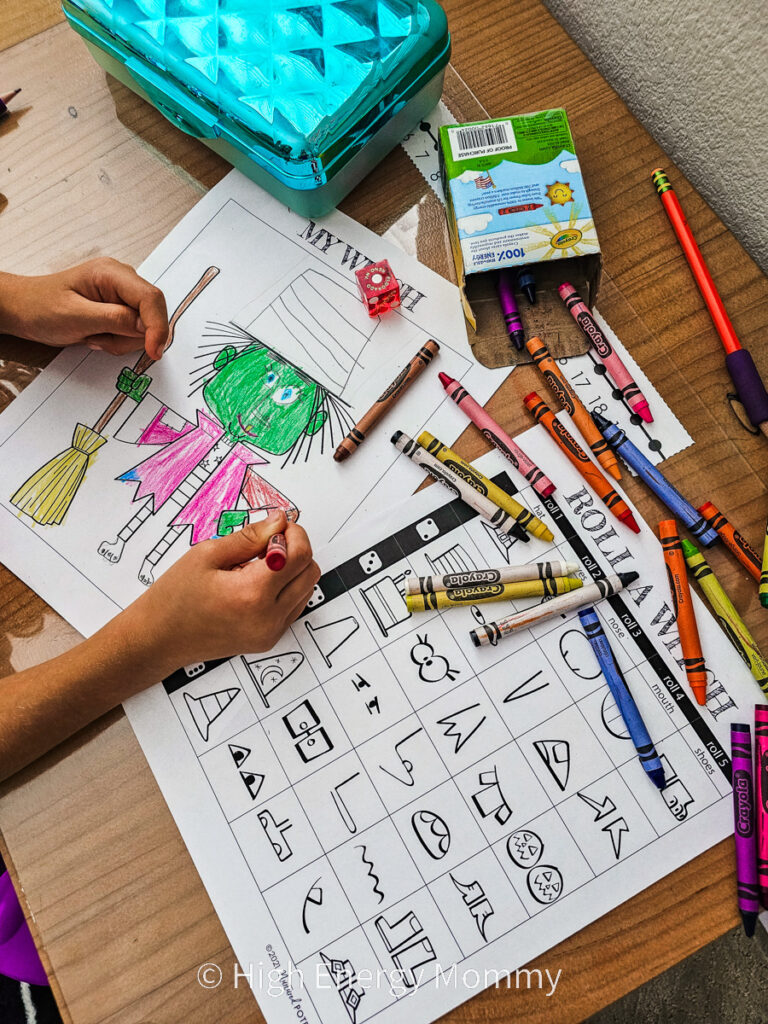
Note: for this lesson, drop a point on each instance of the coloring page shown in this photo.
(387, 818)
(110, 472)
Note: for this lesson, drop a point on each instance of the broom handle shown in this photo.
(144, 361)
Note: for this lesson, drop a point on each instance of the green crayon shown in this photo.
(730, 621)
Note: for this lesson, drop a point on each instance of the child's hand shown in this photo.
(102, 304)
(211, 605)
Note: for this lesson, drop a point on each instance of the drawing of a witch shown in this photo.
(256, 401)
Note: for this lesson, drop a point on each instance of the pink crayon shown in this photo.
(498, 437)
(606, 353)
(761, 798)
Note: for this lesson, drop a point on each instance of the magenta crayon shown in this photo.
(491, 430)
(761, 799)
(744, 826)
(506, 291)
(606, 353)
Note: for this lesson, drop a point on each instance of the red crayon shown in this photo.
(522, 208)
(276, 553)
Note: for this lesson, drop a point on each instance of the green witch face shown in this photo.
(260, 398)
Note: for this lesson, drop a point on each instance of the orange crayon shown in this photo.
(682, 604)
(732, 539)
(573, 451)
(567, 397)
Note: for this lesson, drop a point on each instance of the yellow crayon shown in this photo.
(731, 622)
(487, 487)
(477, 593)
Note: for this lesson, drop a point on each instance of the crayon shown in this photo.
(625, 702)
(763, 590)
(526, 282)
(732, 539)
(744, 826)
(276, 553)
(507, 574)
(478, 593)
(498, 518)
(656, 480)
(491, 430)
(5, 100)
(567, 397)
(738, 361)
(481, 483)
(605, 352)
(761, 799)
(571, 448)
(492, 632)
(729, 619)
(384, 402)
(520, 208)
(682, 605)
(506, 292)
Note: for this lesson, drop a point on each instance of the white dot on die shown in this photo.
(377, 278)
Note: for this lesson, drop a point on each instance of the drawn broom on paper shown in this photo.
(48, 493)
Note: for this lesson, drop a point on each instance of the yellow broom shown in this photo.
(48, 493)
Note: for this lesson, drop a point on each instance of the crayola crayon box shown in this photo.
(515, 197)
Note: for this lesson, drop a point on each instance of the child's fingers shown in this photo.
(293, 598)
(107, 318)
(298, 554)
(117, 345)
(122, 280)
(243, 545)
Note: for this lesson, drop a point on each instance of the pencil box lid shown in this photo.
(299, 86)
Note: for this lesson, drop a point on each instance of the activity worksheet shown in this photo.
(111, 471)
(388, 818)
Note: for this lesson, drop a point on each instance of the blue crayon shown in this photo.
(656, 480)
(625, 702)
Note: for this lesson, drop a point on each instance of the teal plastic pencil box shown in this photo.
(303, 97)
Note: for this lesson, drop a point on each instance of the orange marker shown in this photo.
(682, 604)
(573, 451)
(732, 539)
(567, 397)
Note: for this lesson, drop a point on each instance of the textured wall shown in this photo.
(696, 75)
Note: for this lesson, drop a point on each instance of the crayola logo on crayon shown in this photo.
(565, 239)
(593, 333)
(468, 475)
(742, 795)
(474, 593)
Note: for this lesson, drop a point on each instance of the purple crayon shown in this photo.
(506, 290)
(744, 826)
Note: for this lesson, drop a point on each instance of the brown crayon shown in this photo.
(564, 392)
(384, 402)
(573, 451)
(732, 539)
(682, 605)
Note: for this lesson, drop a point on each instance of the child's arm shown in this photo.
(102, 304)
(208, 605)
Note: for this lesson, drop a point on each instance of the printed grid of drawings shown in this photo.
(403, 800)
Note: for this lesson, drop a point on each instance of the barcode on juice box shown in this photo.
(482, 139)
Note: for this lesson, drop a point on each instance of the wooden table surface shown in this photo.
(118, 909)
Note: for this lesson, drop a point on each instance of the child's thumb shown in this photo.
(250, 542)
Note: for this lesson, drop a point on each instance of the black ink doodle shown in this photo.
(453, 560)
(525, 848)
(408, 945)
(525, 689)
(386, 602)
(253, 781)
(489, 799)
(206, 709)
(344, 978)
(545, 883)
(432, 832)
(504, 542)
(616, 829)
(676, 794)
(341, 807)
(612, 718)
(433, 668)
(602, 808)
(275, 833)
(376, 886)
(239, 754)
(476, 901)
(330, 637)
(578, 655)
(315, 897)
(408, 765)
(556, 755)
(453, 730)
(303, 725)
(270, 672)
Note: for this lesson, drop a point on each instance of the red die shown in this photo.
(378, 288)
